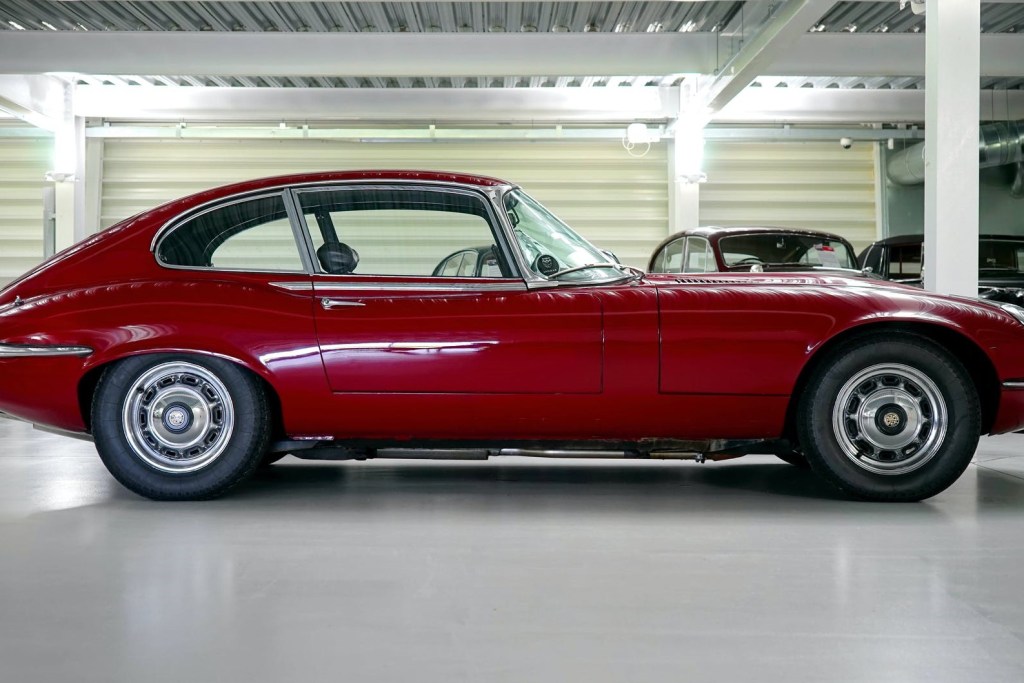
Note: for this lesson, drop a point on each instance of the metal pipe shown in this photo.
(537, 453)
(999, 143)
(432, 454)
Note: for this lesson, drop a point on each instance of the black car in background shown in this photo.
(1000, 264)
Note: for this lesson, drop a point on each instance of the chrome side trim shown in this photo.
(517, 286)
(328, 304)
(293, 286)
(1014, 384)
(30, 351)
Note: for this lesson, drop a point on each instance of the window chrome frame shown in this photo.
(492, 195)
(184, 219)
(485, 195)
(536, 280)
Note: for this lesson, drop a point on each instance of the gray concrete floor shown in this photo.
(508, 570)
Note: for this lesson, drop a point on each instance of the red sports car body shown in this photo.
(563, 352)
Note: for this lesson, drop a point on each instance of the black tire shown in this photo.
(134, 434)
(794, 458)
(932, 379)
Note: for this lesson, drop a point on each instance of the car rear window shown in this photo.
(253, 234)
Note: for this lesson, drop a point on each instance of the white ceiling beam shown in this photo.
(467, 54)
(141, 103)
(887, 54)
(834, 106)
(39, 100)
(753, 106)
(772, 40)
(356, 54)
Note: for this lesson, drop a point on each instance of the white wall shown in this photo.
(23, 163)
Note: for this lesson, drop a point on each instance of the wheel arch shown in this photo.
(90, 379)
(962, 347)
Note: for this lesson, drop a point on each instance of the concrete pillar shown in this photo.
(952, 113)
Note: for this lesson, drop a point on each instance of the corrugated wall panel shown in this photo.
(617, 201)
(23, 163)
(814, 185)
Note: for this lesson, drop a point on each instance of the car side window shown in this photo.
(252, 234)
(468, 266)
(905, 261)
(670, 258)
(451, 267)
(698, 255)
(411, 231)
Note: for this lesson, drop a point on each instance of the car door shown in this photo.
(390, 322)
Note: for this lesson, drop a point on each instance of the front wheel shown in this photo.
(891, 418)
(172, 427)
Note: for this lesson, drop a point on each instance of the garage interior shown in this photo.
(632, 121)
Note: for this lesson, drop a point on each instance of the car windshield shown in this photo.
(550, 246)
(1000, 255)
(785, 249)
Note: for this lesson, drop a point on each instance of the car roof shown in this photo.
(180, 206)
(917, 238)
(369, 175)
(720, 231)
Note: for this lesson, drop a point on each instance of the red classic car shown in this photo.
(306, 315)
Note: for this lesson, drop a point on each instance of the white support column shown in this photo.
(683, 195)
(952, 113)
(686, 156)
(93, 184)
(68, 175)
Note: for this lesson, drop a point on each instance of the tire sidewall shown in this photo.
(828, 459)
(243, 453)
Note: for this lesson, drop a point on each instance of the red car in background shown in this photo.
(306, 315)
(753, 249)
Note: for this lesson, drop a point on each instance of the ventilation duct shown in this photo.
(998, 144)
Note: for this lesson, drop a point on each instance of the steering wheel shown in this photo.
(748, 260)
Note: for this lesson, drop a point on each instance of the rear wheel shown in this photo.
(173, 427)
(892, 418)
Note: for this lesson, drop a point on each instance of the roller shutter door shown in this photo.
(617, 201)
(23, 163)
(814, 185)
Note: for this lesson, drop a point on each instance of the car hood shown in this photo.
(862, 286)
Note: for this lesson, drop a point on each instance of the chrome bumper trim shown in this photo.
(1014, 384)
(26, 351)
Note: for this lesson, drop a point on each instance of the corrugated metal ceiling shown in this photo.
(720, 16)
(125, 15)
(116, 15)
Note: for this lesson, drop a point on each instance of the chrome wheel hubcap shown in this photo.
(890, 419)
(178, 417)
